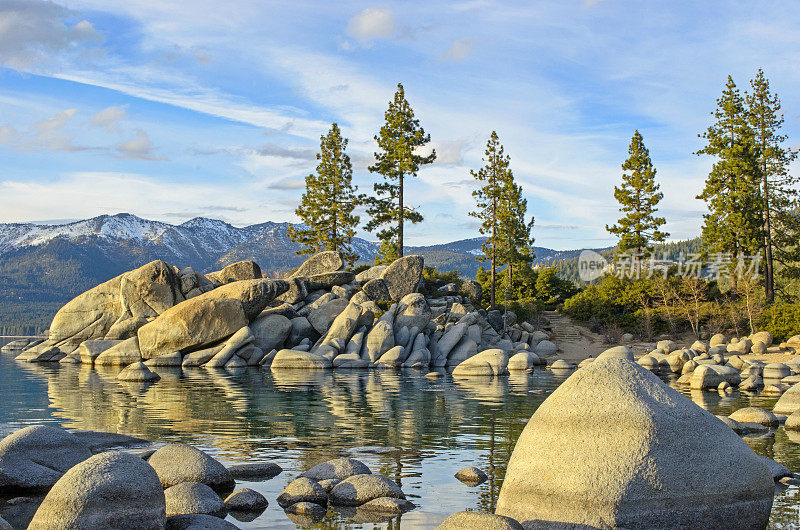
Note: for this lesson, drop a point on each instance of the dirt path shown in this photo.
(575, 342)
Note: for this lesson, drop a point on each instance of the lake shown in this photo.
(416, 431)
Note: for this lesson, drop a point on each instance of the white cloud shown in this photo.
(86, 194)
(48, 134)
(109, 118)
(459, 50)
(139, 148)
(371, 24)
(31, 31)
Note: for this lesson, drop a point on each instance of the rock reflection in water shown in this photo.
(415, 430)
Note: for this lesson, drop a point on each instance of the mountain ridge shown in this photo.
(55, 262)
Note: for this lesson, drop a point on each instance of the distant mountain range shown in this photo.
(41, 263)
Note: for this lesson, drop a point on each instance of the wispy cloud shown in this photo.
(459, 50)
(109, 118)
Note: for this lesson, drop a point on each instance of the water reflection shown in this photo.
(415, 430)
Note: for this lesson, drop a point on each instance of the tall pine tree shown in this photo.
(638, 197)
(515, 242)
(779, 194)
(489, 200)
(732, 195)
(327, 205)
(399, 142)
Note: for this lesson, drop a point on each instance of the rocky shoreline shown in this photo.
(319, 317)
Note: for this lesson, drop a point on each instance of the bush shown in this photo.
(782, 319)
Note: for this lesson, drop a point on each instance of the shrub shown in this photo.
(782, 319)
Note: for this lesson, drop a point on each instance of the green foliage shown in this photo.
(399, 142)
(537, 287)
(501, 209)
(327, 205)
(782, 319)
(387, 253)
(638, 198)
(733, 224)
(779, 191)
(435, 279)
(26, 318)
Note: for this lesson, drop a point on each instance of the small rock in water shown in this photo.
(471, 476)
(306, 508)
(772, 390)
(433, 375)
(137, 372)
(338, 468)
(561, 364)
(755, 415)
(386, 505)
(479, 521)
(246, 500)
(193, 498)
(255, 472)
(176, 463)
(303, 490)
(359, 489)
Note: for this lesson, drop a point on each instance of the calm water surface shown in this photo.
(416, 431)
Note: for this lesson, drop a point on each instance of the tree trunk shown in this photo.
(494, 252)
(400, 225)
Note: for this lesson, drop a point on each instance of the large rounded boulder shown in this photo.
(150, 290)
(403, 276)
(789, 402)
(191, 325)
(254, 295)
(614, 446)
(35, 458)
(109, 490)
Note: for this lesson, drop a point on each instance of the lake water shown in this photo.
(416, 431)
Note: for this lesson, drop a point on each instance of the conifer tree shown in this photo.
(327, 205)
(514, 245)
(733, 224)
(398, 157)
(779, 192)
(638, 197)
(489, 200)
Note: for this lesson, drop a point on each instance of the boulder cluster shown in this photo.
(318, 316)
(720, 365)
(175, 486)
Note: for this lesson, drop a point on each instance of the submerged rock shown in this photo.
(611, 419)
(198, 522)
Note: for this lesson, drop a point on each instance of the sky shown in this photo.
(172, 110)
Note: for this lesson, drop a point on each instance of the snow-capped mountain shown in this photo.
(55, 262)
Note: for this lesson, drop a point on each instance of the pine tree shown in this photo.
(327, 205)
(514, 245)
(489, 199)
(732, 195)
(779, 193)
(399, 141)
(638, 197)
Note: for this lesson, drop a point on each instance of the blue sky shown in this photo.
(171, 110)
